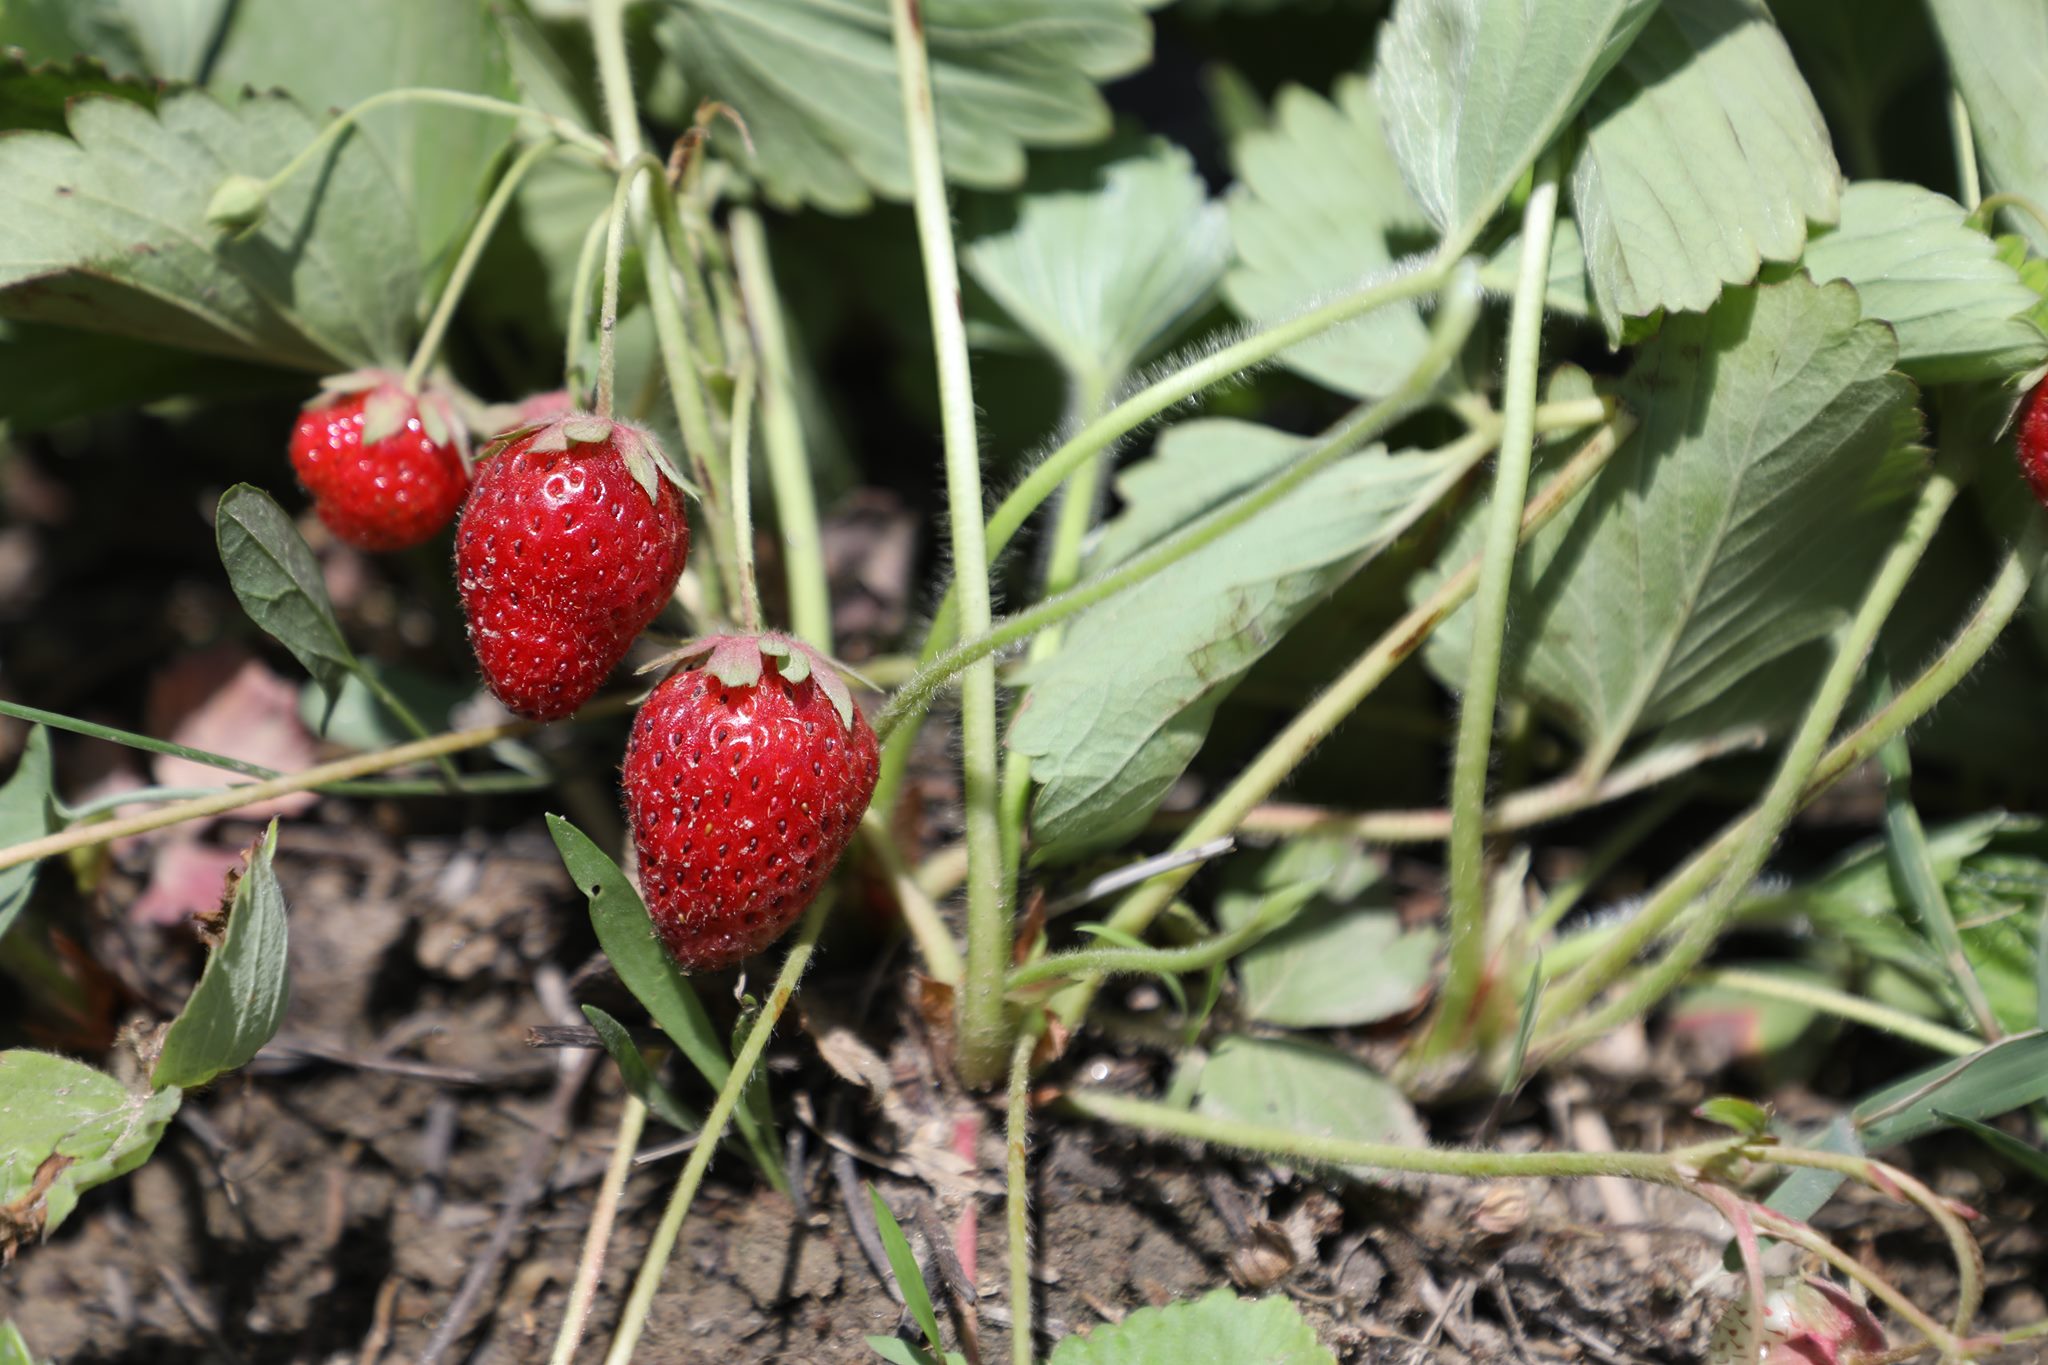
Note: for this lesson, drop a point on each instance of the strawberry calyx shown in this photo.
(644, 458)
(389, 403)
(737, 661)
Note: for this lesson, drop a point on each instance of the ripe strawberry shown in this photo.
(386, 467)
(568, 547)
(2033, 442)
(743, 786)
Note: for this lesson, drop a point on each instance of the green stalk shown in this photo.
(1158, 397)
(1969, 189)
(614, 256)
(1119, 961)
(472, 252)
(579, 303)
(1263, 775)
(782, 436)
(984, 1030)
(1467, 910)
(1455, 316)
(583, 1291)
(741, 464)
(1756, 834)
(633, 1318)
(1842, 1005)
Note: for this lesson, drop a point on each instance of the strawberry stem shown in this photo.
(472, 251)
(741, 464)
(614, 255)
(579, 309)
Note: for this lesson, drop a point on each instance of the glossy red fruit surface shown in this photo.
(742, 797)
(2033, 442)
(563, 556)
(388, 493)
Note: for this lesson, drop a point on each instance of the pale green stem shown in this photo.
(782, 436)
(234, 798)
(579, 302)
(1970, 189)
(472, 252)
(1316, 722)
(139, 796)
(614, 256)
(1217, 367)
(1194, 957)
(742, 463)
(458, 99)
(1843, 1005)
(583, 1291)
(920, 915)
(1801, 1235)
(1455, 315)
(1988, 208)
(1017, 1196)
(1661, 1168)
(983, 1041)
(1781, 799)
(403, 714)
(1473, 756)
(633, 1318)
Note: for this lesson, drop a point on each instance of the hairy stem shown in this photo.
(920, 915)
(742, 464)
(984, 1029)
(1017, 1196)
(1467, 908)
(579, 305)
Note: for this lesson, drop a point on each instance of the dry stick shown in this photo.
(527, 1183)
(1017, 1202)
(632, 1118)
(1323, 715)
(234, 798)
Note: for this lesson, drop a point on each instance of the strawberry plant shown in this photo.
(1256, 585)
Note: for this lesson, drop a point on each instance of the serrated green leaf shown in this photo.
(26, 812)
(53, 1106)
(1343, 960)
(167, 39)
(34, 96)
(277, 580)
(1217, 1329)
(1472, 90)
(1115, 717)
(1704, 157)
(240, 999)
(1319, 208)
(638, 1075)
(1105, 254)
(330, 57)
(1306, 1089)
(1741, 521)
(106, 230)
(815, 81)
(1960, 312)
(1998, 58)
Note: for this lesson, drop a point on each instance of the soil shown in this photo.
(328, 1203)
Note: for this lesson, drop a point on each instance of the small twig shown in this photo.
(379, 1336)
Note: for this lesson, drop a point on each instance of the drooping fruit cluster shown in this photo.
(568, 546)
(2033, 442)
(386, 467)
(743, 785)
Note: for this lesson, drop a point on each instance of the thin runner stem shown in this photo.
(583, 1290)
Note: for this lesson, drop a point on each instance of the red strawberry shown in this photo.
(568, 546)
(386, 467)
(743, 786)
(2033, 442)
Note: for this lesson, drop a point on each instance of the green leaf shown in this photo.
(240, 999)
(166, 39)
(1217, 1329)
(106, 230)
(53, 374)
(639, 1077)
(909, 1278)
(277, 580)
(2027, 1157)
(331, 56)
(13, 1348)
(26, 812)
(51, 1106)
(1306, 1089)
(1105, 254)
(1705, 156)
(1742, 521)
(1344, 959)
(815, 81)
(1319, 208)
(1114, 718)
(897, 1351)
(1732, 1111)
(1802, 1193)
(1472, 90)
(1998, 1079)
(1865, 60)
(34, 95)
(1998, 59)
(1960, 312)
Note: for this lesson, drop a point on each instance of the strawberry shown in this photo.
(386, 467)
(568, 547)
(2033, 442)
(743, 785)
